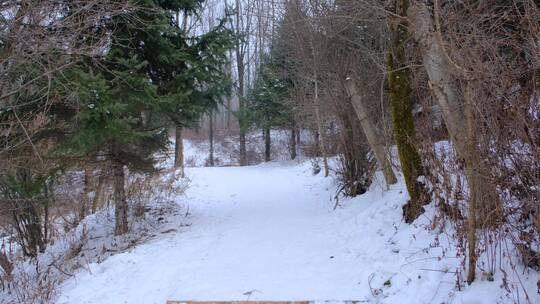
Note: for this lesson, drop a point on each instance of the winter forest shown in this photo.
(269, 151)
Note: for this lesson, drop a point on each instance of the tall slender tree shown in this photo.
(401, 106)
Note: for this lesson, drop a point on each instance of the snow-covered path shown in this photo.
(268, 232)
(267, 229)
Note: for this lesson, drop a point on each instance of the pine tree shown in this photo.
(150, 76)
(110, 123)
(267, 100)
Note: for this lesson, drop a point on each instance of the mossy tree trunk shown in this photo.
(401, 108)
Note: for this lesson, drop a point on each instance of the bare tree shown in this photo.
(474, 58)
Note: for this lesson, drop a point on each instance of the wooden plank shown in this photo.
(238, 302)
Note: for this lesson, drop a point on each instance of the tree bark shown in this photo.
(440, 68)
(292, 142)
(243, 151)
(229, 109)
(46, 218)
(439, 71)
(120, 203)
(374, 138)
(178, 141)
(211, 139)
(320, 129)
(241, 90)
(98, 200)
(316, 141)
(179, 150)
(267, 144)
(88, 188)
(317, 107)
(401, 105)
(474, 195)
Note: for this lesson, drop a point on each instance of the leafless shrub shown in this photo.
(327, 42)
(6, 266)
(493, 48)
(144, 189)
(40, 40)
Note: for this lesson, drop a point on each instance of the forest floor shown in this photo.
(270, 232)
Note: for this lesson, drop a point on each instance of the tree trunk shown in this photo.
(179, 150)
(316, 142)
(267, 144)
(440, 68)
(88, 188)
(211, 139)
(374, 138)
(439, 71)
(98, 200)
(229, 105)
(178, 141)
(317, 106)
(292, 142)
(474, 195)
(320, 129)
(243, 152)
(120, 203)
(241, 90)
(459, 120)
(228, 114)
(401, 109)
(46, 219)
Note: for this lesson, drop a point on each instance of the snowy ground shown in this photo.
(269, 232)
(196, 151)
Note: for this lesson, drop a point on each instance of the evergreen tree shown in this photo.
(268, 106)
(150, 76)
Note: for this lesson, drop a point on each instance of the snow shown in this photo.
(226, 149)
(270, 232)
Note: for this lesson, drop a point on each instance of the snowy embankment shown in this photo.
(269, 232)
